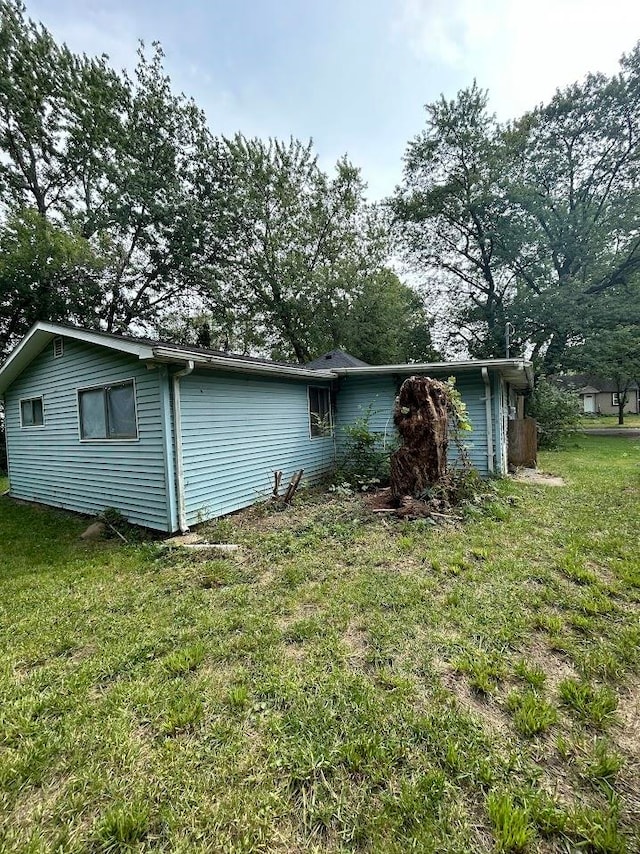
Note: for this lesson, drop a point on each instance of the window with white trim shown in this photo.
(615, 399)
(319, 411)
(108, 412)
(32, 412)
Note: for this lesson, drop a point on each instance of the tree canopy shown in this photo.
(536, 222)
(122, 210)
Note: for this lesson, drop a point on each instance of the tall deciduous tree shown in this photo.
(301, 246)
(451, 212)
(574, 180)
(535, 223)
(112, 159)
(46, 273)
(386, 323)
(120, 209)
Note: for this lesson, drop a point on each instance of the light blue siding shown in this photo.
(236, 431)
(357, 393)
(51, 465)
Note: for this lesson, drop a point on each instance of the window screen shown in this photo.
(108, 413)
(93, 418)
(121, 412)
(31, 412)
(319, 411)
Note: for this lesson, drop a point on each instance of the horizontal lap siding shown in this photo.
(357, 394)
(52, 466)
(236, 431)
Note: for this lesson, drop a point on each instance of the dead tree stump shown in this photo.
(421, 417)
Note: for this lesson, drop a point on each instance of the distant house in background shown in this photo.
(598, 395)
(174, 435)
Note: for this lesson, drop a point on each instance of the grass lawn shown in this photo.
(610, 421)
(344, 683)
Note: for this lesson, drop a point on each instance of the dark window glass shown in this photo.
(31, 412)
(108, 413)
(319, 411)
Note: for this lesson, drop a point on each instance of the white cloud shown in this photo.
(520, 51)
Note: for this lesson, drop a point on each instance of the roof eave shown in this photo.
(518, 372)
(167, 355)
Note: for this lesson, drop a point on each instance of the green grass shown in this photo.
(341, 683)
(600, 421)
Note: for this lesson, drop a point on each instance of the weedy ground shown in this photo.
(342, 683)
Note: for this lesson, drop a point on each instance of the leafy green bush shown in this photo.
(557, 412)
(365, 460)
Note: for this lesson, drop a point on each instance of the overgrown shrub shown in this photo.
(365, 458)
(557, 412)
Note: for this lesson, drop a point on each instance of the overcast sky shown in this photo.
(352, 74)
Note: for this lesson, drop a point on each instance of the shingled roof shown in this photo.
(335, 359)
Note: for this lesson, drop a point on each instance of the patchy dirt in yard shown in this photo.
(538, 477)
(355, 642)
(294, 651)
(270, 517)
(554, 665)
(40, 802)
(554, 780)
(628, 713)
(486, 709)
(81, 653)
(603, 572)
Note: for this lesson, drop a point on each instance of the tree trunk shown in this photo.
(421, 416)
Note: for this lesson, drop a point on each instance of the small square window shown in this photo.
(319, 412)
(58, 348)
(31, 412)
(108, 412)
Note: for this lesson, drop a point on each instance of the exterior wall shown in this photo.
(51, 465)
(356, 394)
(500, 418)
(236, 431)
(605, 407)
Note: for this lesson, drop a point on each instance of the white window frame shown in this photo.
(328, 393)
(615, 398)
(105, 387)
(24, 426)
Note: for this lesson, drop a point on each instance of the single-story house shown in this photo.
(174, 435)
(599, 395)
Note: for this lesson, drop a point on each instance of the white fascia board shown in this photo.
(171, 356)
(516, 371)
(42, 333)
